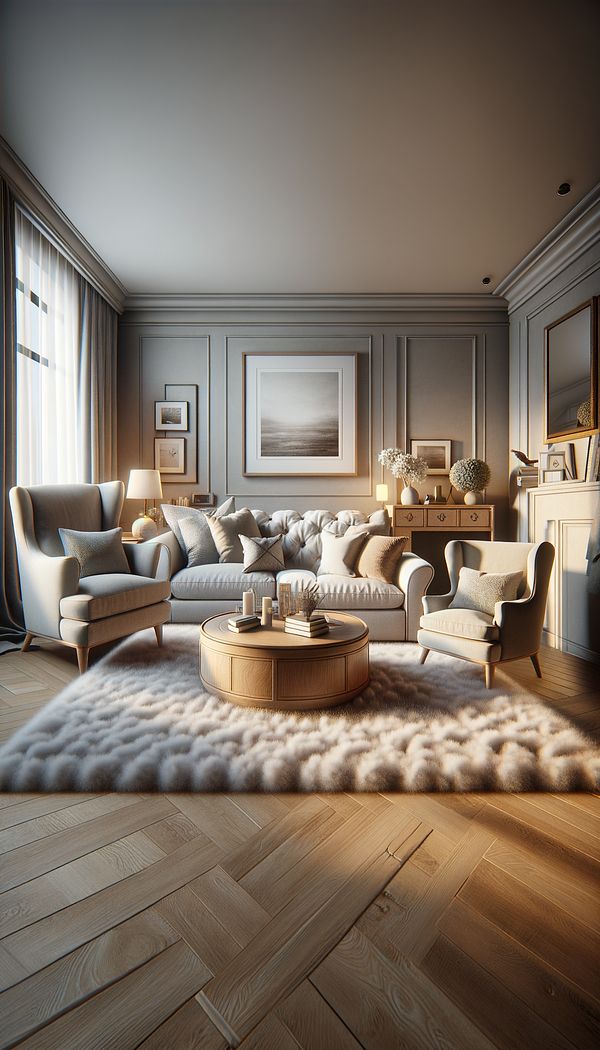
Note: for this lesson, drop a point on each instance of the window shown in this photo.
(48, 334)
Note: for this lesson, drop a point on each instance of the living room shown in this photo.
(299, 702)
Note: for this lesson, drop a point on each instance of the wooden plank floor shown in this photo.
(299, 922)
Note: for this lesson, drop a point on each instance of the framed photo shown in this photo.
(299, 414)
(552, 461)
(435, 452)
(170, 415)
(169, 455)
(552, 477)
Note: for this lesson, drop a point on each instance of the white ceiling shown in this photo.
(305, 145)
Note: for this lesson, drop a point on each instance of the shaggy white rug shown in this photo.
(139, 720)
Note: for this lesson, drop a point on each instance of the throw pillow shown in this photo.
(370, 527)
(98, 553)
(205, 551)
(481, 590)
(226, 532)
(263, 555)
(339, 554)
(380, 557)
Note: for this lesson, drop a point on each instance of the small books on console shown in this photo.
(308, 627)
(243, 623)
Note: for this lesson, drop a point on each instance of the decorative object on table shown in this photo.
(571, 373)
(428, 499)
(299, 414)
(382, 494)
(409, 468)
(524, 458)
(242, 623)
(286, 604)
(470, 476)
(306, 626)
(248, 602)
(437, 453)
(202, 499)
(170, 415)
(266, 618)
(438, 494)
(169, 455)
(552, 461)
(307, 599)
(144, 484)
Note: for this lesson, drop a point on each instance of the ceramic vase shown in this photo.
(409, 496)
(473, 497)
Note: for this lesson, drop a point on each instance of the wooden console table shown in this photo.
(441, 517)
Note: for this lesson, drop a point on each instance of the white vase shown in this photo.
(473, 497)
(409, 496)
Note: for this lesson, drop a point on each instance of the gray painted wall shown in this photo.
(423, 373)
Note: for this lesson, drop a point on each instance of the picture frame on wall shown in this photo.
(437, 453)
(299, 414)
(553, 461)
(171, 415)
(169, 455)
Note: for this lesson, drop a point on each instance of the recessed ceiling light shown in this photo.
(565, 187)
(486, 280)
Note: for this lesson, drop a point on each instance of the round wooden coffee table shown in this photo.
(269, 668)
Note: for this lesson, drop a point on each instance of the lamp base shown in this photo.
(144, 528)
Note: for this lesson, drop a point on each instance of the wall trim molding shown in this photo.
(45, 212)
(578, 231)
(346, 303)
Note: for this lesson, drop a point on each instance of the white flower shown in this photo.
(403, 465)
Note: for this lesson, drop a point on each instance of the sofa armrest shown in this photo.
(143, 558)
(414, 576)
(170, 558)
(45, 581)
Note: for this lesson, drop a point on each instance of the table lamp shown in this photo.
(144, 484)
(381, 494)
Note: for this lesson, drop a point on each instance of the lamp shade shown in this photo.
(144, 484)
(381, 493)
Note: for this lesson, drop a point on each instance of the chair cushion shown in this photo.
(481, 590)
(222, 582)
(467, 623)
(348, 593)
(96, 552)
(226, 532)
(112, 594)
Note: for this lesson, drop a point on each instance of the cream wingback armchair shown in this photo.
(82, 612)
(515, 629)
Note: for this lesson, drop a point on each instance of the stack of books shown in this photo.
(307, 626)
(243, 623)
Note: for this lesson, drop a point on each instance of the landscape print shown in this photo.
(299, 414)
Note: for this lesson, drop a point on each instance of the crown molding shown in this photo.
(570, 238)
(345, 303)
(45, 212)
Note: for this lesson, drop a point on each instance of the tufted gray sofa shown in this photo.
(391, 611)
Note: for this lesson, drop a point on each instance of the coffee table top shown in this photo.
(343, 627)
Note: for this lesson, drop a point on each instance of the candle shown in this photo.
(248, 603)
(267, 612)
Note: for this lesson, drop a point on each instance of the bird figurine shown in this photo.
(524, 459)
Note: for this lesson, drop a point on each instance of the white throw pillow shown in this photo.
(339, 554)
(481, 590)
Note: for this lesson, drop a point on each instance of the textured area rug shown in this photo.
(140, 720)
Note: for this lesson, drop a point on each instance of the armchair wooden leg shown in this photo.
(423, 655)
(536, 664)
(27, 642)
(159, 634)
(489, 675)
(83, 653)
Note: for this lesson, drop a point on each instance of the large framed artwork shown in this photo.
(299, 414)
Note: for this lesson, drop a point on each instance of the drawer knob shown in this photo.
(474, 517)
(441, 517)
(409, 517)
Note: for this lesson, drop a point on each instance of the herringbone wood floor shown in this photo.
(172, 922)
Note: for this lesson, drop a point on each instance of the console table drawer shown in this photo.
(442, 517)
(414, 517)
(475, 518)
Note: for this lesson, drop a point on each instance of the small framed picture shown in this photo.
(436, 453)
(170, 415)
(169, 455)
(552, 477)
(553, 461)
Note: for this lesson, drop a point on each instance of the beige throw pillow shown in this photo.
(380, 557)
(339, 554)
(481, 590)
(198, 546)
(263, 555)
(226, 532)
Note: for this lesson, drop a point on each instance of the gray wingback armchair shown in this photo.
(515, 629)
(57, 603)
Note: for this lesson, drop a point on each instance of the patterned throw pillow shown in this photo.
(98, 553)
(226, 532)
(481, 590)
(263, 555)
(339, 554)
(205, 552)
(380, 557)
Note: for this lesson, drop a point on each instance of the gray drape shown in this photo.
(11, 617)
(97, 385)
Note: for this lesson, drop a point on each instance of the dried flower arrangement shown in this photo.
(307, 599)
(411, 469)
(470, 475)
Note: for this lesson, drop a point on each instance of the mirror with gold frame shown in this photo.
(571, 374)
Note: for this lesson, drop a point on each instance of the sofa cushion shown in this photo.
(348, 593)
(96, 552)
(302, 532)
(380, 557)
(481, 590)
(262, 554)
(467, 623)
(112, 594)
(226, 531)
(222, 582)
(173, 515)
(339, 554)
